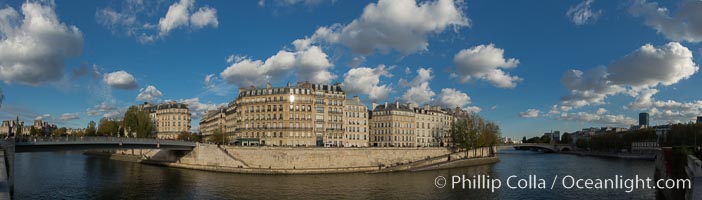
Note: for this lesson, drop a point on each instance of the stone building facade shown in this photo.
(304, 114)
(169, 118)
(433, 124)
(213, 121)
(356, 123)
(393, 125)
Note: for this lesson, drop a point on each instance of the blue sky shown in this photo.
(69, 62)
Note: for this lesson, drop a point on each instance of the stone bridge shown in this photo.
(12, 145)
(538, 146)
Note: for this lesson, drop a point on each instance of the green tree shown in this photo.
(188, 136)
(524, 140)
(139, 122)
(59, 131)
(91, 130)
(18, 131)
(33, 131)
(566, 138)
(545, 139)
(219, 137)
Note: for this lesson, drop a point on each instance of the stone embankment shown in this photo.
(284, 160)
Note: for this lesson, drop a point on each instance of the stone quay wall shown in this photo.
(286, 160)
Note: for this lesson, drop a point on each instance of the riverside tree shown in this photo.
(473, 132)
(91, 130)
(139, 122)
(219, 137)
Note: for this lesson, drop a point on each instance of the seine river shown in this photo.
(72, 175)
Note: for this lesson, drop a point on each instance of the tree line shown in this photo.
(474, 132)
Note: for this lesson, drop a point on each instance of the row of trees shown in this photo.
(473, 132)
(684, 135)
(542, 139)
(617, 141)
(134, 123)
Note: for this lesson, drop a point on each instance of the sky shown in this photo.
(531, 67)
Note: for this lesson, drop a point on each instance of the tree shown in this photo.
(33, 131)
(59, 131)
(188, 136)
(139, 122)
(219, 137)
(545, 139)
(566, 138)
(524, 140)
(108, 127)
(473, 132)
(91, 130)
(18, 131)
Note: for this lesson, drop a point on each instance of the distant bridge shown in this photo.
(94, 143)
(539, 146)
(12, 145)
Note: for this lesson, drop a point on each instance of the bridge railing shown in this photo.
(98, 140)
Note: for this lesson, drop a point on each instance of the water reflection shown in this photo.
(71, 175)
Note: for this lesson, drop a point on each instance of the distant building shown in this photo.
(169, 118)
(356, 122)
(699, 119)
(213, 121)
(392, 125)
(643, 119)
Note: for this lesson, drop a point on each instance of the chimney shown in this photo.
(374, 105)
(386, 104)
(268, 85)
(397, 104)
(356, 99)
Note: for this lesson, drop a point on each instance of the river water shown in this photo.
(72, 175)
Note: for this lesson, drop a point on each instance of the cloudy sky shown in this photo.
(553, 65)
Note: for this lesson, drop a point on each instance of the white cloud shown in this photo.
(604, 119)
(309, 63)
(671, 111)
(530, 113)
(204, 16)
(601, 111)
(401, 25)
(178, 15)
(451, 98)
(419, 91)
(44, 117)
(419, 94)
(313, 65)
(106, 110)
(644, 99)
(197, 108)
(582, 13)
(366, 80)
(34, 45)
(635, 74)
(69, 116)
(683, 25)
(209, 81)
(587, 88)
(130, 18)
(148, 94)
(649, 66)
(423, 75)
(214, 84)
(485, 62)
(120, 80)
